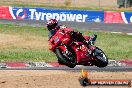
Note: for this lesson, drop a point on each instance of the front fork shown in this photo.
(65, 50)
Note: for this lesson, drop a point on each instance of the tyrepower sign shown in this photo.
(44, 14)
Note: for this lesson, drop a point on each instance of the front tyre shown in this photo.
(100, 57)
(62, 59)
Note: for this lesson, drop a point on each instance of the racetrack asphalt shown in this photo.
(76, 69)
(126, 28)
(114, 27)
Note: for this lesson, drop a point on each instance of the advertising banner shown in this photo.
(127, 17)
(43, 14)
(5, 12)
(113, 17)
(117, 17)
(60, 14)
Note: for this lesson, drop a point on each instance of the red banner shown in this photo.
(5, 13)
(112, 17)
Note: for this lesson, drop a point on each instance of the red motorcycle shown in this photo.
(71, 53)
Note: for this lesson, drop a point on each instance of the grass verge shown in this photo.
(26, 43)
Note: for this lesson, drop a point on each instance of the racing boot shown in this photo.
(93, 39)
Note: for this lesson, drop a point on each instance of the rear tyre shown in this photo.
(64, 60)
(101, 58)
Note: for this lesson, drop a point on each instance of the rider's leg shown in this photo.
(91, 41)
(93, 38)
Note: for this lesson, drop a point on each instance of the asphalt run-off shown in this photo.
(76, 69)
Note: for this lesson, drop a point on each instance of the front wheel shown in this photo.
(67, 60)
(100, 57)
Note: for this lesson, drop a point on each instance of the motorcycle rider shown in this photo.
(53, 26)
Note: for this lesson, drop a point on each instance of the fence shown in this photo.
(70, 3)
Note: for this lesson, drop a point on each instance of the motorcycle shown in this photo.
(71, 53)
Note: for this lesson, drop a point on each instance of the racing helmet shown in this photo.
(52, 24)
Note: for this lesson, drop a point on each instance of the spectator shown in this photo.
(124, 3)
(120, 3)
(130, 2)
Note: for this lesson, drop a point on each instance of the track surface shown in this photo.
(126, 28)
(90, 68)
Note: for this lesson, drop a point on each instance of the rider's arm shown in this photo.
(51, 33)
(78, 36)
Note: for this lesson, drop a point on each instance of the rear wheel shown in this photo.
(63, 58)
(101, 58)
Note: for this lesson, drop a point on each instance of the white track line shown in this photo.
(121, 33)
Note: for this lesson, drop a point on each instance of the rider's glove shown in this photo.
(79, 33)
(62, 27)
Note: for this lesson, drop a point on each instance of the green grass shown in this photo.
(27, 55)
(17, 53)
(116, 46)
